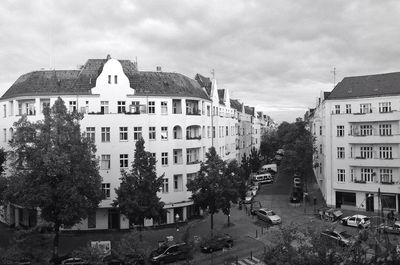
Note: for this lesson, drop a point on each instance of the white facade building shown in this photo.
(178, 117)
(357, 143)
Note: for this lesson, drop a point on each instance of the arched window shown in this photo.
(177, 132)
(11, 134)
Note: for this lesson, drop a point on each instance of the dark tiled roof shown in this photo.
(367, 86)
(236, 105)
(326, 95)
(249, 110)
(221, 96)
(204, 82)
(81, 81)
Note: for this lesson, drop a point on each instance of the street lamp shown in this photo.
(176, 221)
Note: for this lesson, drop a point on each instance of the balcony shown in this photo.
(359, 181)
(387, 182)
(188, 137)
(193, 112)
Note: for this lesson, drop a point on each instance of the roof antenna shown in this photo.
(334, 76)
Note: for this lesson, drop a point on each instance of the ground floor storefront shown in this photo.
(367, 201)
(108, 218)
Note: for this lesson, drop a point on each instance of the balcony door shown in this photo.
(369, 200)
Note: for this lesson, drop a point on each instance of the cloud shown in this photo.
(277, 55)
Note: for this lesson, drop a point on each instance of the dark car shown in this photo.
(170, 253)
(217, 242)
(342, 238)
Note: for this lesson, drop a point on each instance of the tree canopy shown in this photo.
(53, 168)
(137, 195)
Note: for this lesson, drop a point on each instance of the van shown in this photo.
(269, 168)
(263, 178)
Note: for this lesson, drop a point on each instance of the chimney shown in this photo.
(158, 69)
(108, 57)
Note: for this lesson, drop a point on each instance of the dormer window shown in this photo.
(109, 79)
(115, 79)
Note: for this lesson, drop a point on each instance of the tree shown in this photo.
(3, 178)
(269, 144)
(254, 160)
(137, 195)
(54, 169)
(245, 165)
(234, 185)
(212, 188)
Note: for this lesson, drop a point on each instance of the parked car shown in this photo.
(340, 237)
(268, 215)
(329, 214)
(390, 228)
(255, 206)
(263, 178)
(248, 198)
(170, 253)
(360, 221)
(74, 261)
(217, 242)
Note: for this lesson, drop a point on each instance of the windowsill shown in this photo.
(192, 163)
(164, 165)
(123, 140)
(178, 190)
(104, 169)
(178, 163)
(177, 138)
(106, 141)
(164, 139)
(152, 139)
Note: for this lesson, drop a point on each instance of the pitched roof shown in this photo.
(236, 105)
(81, 82)
(367, 86)
(249, 110)
(204, 82)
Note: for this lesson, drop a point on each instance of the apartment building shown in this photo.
(178, 117)
(357, 143)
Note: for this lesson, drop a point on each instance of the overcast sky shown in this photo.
(274, 55)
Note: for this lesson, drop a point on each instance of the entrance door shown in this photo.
(338, 199)
(369, 198)
(113, 219)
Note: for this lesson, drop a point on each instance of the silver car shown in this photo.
(268, 216)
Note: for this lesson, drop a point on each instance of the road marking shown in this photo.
(255, 259)
(249, 261)
(241, 263)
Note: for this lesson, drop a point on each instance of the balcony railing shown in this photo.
(193, 137)
(360, 181)
(193, 162)
(193, 112)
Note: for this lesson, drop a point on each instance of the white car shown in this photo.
(358, 220)
(249, 197)
(268, 216)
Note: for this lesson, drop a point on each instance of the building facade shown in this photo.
(357, 143)
(179, 118)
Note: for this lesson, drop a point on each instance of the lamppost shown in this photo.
(177, 222)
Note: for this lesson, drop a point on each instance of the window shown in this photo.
(365, 108)
(192, 155)
(226, 130)
(366, 130)
(341, 175)
(164, 133)
(152, 107)
(90, 133)
(320, 130)
(178, 182)
(208, 131)
(152, 133)
(385, 129)
(106, 188)
(154, 155)
(337, 109)
(367, 174)
(213, 133)
(348, 108)
(352, 175)
(123, 133)
(104, 106)
(164, 158)
(105, 134)
(5, 135)
(340, 130)
(177, 132)
(177, 156)
(388, 201)
(121, 106)
(190, 177)
(164, 107)
(165, 186)
(366, 151)
(385, 107)
(320, 149)
(208, 111)
(123, 160)
(92, 219)
(105, 163)
(109, 79)
(4, 110)
(386, 175)
(72, 106)
(385, 152)
(137, 133)
(340, 152)
(115, 79)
